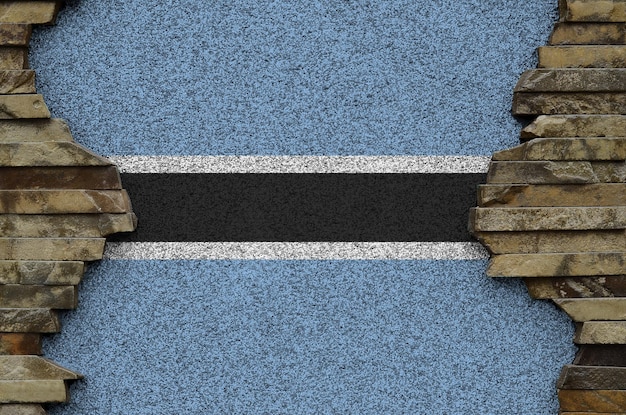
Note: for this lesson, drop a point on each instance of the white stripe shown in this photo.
(295, 250)
(301, 164)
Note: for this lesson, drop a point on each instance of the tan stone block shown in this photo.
(54, 249)
(582, 56)
(547, 218)
(557, 265)
(552, 241)
(48, 154)
(588, 309)
(573, 80)
(65, 226)
(33, 368)
(41, 272)
(592, 400)
(601, 332)
(576, 287)
(29, 12)
(23, 106)
(555, 172)
(64, 201)
(17, 82)
(567, 149)
(33, 391)
(521, 195)
(13, 58)
(21, 409)
(551, 103)
(54, 129)
(94, 178)
(592, 378)
(39, 296)
(15, 34)
(575, 126)
(588, 34)
(593, 10)
(29, 320)
(591, 413)
(20, 343)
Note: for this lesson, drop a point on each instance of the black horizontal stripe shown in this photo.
(301, 207)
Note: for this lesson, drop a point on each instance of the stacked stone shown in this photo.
(554, 208)
(57, 203)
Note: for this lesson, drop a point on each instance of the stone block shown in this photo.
(54, 129)
(589, 309)
(552, 241)
(573, 80)
(94, 178)
(53, 249)
(33, 368)
(20, 343)
(13, 58)
(66, 226)
(17, 82)
(577, 287)
(601, 355)
(41, 272)
(592, 378)
(601, 401)
(551, 103)
(15, 34)
(547, 218)
(520, 195)
(64, 201)
(63, 297)
(555, 172)
(588, 34)
(582, 56)
(601, 332)
(23, 106)
(567, 149)
(29, 12)
(48, 154)
(29, 320)
(33, 391)
(21, 409)
(575, 126)
(592, 10)
(557, 265)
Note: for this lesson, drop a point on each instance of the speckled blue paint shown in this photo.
(272, 77)
(309, 337)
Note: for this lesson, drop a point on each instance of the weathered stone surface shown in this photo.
(29, 12)
(575, 126)
(15, 34)
(41, 272)
(557, 265)
(33, 391)
(20, 343)
(95, 178)
(65, 226)
(54, 249)
(29, 320)
(582, 56)
(547, 218)
(601, 332)
(592, 378)
(39, 296)
(566, 149)
(552, 241)
(577, 287)
(21, 409)
(65, 201)
(33, 368)
(554, 172)
(54, 129)
(17, 82)
(592, 10)
(13, 58)
(519, 195)
(588, 34)
(596, 400)
(601, 355)
(23, 106)
(547, 103)
(573, 80)
(591, 413)
(48, 154)
(588, 309)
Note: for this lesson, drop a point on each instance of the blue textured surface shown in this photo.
(290, 77)
(310, 337)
